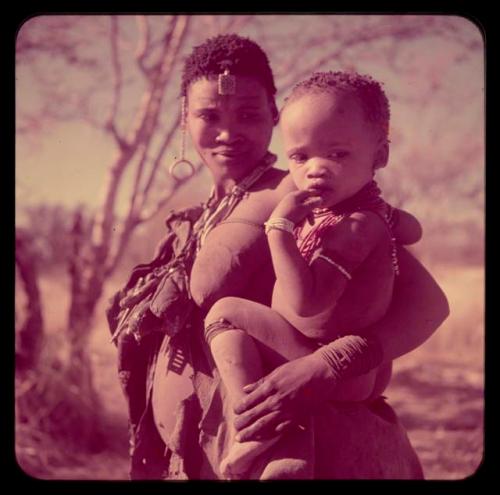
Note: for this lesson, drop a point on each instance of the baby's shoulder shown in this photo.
(361, 228)
(366, 223)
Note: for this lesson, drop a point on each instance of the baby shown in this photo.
(331, 243)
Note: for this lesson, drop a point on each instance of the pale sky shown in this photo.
(67, 164)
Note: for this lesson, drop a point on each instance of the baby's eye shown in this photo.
(298, 157)
(338, 154)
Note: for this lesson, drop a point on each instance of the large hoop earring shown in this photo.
(171, 169)
(182, 160)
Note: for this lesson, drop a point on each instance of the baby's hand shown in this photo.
(297, 205)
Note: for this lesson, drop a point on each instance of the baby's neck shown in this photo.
(306, 227)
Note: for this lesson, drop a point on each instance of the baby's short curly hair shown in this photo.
(369, 92)
(241, 56)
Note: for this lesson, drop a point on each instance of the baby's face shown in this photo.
(330, 146)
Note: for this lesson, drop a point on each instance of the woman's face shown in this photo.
(230, 132)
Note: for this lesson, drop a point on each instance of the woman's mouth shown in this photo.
(230, 152)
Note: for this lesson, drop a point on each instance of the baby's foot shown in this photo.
(241, 455)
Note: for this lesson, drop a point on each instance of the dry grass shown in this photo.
(437, 391)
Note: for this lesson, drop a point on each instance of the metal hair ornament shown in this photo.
(226, 83)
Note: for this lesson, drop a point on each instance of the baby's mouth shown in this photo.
(319, 188)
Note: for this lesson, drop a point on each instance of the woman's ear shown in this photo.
(382, 155)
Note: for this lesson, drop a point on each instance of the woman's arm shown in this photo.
(298, 387)
(235, 255)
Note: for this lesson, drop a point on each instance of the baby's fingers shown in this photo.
(312, 201)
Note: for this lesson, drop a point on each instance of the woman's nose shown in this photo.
(228, 133)
(226, 136)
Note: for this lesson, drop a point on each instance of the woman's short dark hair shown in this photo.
(241, 56)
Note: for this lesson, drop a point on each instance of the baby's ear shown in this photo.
(382, 155)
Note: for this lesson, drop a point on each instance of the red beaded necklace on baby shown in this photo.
(368, 198)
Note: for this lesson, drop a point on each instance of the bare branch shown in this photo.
(110, 124)
(103, 222)
(143, 135)
(114, 257)
(144, 44)
(171, 52)
(132, 222)
(236, 23)
(342, 36)
(158, 159)
(155, 209)
(357, 37)
(148, 115)
(211, 24)
(137, 180)
(147, 47)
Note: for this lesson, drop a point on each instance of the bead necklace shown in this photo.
(367, 198)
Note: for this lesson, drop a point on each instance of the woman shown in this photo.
(220, 250)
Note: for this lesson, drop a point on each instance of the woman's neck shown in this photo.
(224, 185)
(224, 182)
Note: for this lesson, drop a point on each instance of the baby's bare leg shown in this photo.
(237, 358)
(273, 338)
(240, 334)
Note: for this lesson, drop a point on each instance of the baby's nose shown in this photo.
(316, 171)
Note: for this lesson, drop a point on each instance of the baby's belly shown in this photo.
(348, 316)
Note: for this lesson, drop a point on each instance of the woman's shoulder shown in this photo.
(274, 179)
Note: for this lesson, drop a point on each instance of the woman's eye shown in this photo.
(208, 116)
(338, 154)
(249, 116)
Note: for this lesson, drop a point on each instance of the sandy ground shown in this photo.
(437, 390)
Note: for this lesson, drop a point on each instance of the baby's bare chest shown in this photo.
(364, 301)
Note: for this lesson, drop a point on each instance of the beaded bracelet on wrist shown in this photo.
(277, 223)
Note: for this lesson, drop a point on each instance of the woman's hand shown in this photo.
(279, 400)
(297, 205)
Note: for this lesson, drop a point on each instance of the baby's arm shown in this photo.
(311, 289)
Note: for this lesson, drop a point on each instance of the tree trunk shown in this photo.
(84, 298)
(30, 336)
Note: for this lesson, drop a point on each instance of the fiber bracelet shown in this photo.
(352, 355)
(279, 224)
